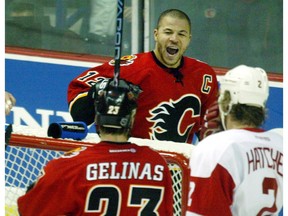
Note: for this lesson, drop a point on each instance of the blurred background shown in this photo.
(225, 33)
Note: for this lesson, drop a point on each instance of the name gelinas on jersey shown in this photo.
(124, 170)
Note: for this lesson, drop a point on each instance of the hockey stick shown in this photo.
(118, 40)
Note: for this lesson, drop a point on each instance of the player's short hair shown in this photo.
(174, 13)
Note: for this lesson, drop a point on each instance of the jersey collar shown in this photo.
(175, 71)
(257, 130)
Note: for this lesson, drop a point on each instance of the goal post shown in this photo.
(29, 150)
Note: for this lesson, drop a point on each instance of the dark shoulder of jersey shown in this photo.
(83, 110)
(30, 187)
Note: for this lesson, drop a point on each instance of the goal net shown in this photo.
(30, 149)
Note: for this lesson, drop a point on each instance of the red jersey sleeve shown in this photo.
(211, 195)
(40, 201)
(81, 107)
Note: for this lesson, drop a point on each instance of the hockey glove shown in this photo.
(212, 122)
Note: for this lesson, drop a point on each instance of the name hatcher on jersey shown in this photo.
(260, 157)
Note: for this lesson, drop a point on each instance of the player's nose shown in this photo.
(173, 38)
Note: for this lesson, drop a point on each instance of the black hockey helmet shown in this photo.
(114, 103)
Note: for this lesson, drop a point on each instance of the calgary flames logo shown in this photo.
(125, 60)
(174, 120)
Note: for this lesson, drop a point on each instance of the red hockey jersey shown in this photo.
(237, 172)
(172, 104)
(118, 179)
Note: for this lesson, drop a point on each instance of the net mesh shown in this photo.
(176, 174)
(23, 166)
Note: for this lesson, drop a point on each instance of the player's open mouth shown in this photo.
(172, 51)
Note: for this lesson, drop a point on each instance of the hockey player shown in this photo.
(239, 171)
(114, 177)
(177, 90)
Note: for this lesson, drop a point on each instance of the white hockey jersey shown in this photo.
(237, 172)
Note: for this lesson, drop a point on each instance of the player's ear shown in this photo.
(155, 34)
(224, 101)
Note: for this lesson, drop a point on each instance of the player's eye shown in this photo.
(183, 34)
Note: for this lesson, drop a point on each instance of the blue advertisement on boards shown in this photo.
(41, 92)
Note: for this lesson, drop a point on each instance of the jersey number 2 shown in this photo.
(269, 184)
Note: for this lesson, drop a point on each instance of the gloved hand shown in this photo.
(212, 121)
